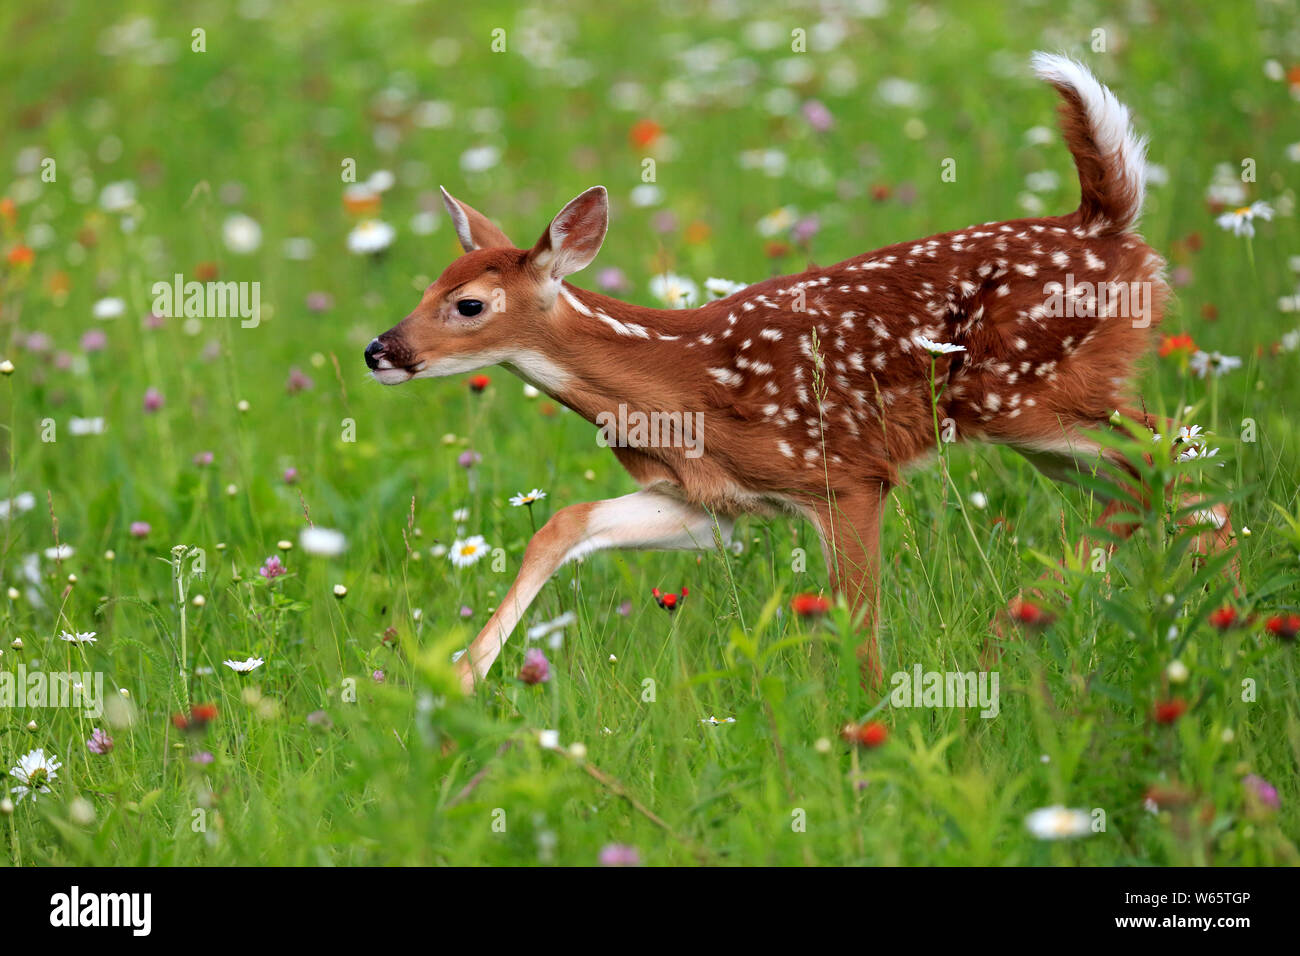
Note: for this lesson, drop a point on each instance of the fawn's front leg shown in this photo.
(849, 526)
(650, 520)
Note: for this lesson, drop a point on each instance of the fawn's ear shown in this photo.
(472, 227)
(574, 236)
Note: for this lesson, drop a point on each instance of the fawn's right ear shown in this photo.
(574, 236)
(472, 227)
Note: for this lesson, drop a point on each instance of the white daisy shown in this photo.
(778, 221)
(646, 194)
(322, 541)
(546, 628)
(1213, 363)
(1241, 221)
(1058, 823)
(520, 500)
(245, 667)
(1198, 451)
(117, 197)
(61, 553)
(468, 551)
(23, 501)
(381, 180)
(86, 426)
(479, 158)
(721, 288)
(34, 772)
(241, 234)
(370, 237)
(677, 292)
(937, 349)
(79, 638)
(460, 515)
(110, 308)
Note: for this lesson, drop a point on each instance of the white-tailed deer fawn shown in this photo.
(814, 389)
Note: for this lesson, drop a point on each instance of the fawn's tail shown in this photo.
(1110, 157)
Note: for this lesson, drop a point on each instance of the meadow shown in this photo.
(200, 490)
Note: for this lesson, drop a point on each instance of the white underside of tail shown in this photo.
(1124, 149)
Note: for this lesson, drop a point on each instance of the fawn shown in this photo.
(814, 389)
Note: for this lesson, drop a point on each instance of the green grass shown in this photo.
(406, 771)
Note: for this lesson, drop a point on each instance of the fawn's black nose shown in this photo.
(373, 351)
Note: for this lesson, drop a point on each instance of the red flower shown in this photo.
(1285, 626)
(870, 734)
(1027, 613)
(669, 601)
(1177, 343)
(478, 383)
(810, 605)
(20, 255)
(644, 132)
(200, 716)
(1167, 711)
(1224, 617)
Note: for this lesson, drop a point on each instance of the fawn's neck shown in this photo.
(599, 352)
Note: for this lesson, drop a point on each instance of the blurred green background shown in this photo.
(779, 133)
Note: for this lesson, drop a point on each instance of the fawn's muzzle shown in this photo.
(374, 351)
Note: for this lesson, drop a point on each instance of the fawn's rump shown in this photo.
(1055, 352)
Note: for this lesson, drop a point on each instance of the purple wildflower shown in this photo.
(140, 529)
(298, 381)
(1263, 791)
(153, 399)
(818, 116)
(99, 742)
(319, 302)
(612, 279)
(536, 669)
(272, 569)
(619, 854)
(94, 340)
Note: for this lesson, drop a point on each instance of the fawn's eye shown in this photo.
(469, 306)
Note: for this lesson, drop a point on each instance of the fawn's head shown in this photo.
(493, 297)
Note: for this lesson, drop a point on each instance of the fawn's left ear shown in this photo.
(473, 229)
(574, 236)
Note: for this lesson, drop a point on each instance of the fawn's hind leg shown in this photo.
(849, 527)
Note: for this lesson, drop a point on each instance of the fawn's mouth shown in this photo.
(392, 376)
(379, 359)
(388, 374)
